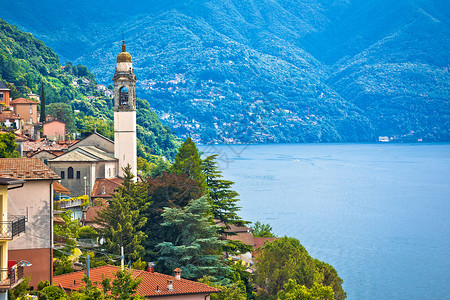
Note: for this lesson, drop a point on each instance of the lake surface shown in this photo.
(379, 213)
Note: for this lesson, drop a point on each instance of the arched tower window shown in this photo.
(70, 173)
(123, 96)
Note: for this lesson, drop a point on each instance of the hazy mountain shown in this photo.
(260, 70)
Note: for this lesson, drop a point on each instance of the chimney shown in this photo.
(150, 267)
(157, 289)
(177, 272)
(170, 285)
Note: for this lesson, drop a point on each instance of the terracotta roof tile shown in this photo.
(110, 184)
(25, 168)
(42, 144)
(259, 242)
(92, 212)
(23, 101)
(147, 288)
(8, 115)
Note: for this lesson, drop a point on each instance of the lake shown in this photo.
(378, 213)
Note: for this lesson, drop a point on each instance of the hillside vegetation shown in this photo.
(25, 62)
(269, 71)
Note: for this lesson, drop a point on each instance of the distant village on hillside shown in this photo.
(57, 172)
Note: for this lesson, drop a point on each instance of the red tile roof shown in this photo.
(42, 144)
(151, 282)
(23, 101)
(92, 212)
(110, 184)
(8, 115)
(25, 168)
(259, 242)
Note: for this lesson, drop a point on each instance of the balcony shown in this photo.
(12, 228)
(10, 278)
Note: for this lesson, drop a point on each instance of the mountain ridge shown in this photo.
(279, 71)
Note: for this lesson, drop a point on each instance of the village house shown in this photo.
(9, 119)
(4, 94)
(54, 130)
(33, 148)
(81, 166)
(25, 109)
(35, 201)
(12, 227)
(153, 286)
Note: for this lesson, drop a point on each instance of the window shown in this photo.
(1, 96)
(78, 174)
(31, 110)
(123, 96)
(109, 172)
(62, 174)
(103, 190)
(31, 120)
(70, 173)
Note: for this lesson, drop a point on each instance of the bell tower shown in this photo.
(125, 112)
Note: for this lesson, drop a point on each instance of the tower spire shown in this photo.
(124, 48)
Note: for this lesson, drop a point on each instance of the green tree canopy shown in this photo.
(121, 222)
(262, 230)
(284, 259)
(292, 290)
(224, 200)
(188, 162)
(64, 113)
(8, 145)
(195, 246)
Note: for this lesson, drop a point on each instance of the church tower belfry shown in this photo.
(125, 149)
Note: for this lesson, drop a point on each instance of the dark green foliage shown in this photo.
(42, 118)
(195, 247)
(224, 199)
(262, 230)
(188, 162)
(167, 190)
(64, 113)
(8, 145)
(122, 223)
(157, 139)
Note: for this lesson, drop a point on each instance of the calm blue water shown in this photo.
(379, 213)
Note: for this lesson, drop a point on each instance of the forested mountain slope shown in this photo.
(268, 71)
(26, 63)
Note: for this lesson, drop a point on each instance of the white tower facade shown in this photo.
(125, 113)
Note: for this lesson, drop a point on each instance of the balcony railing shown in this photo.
(10, 278)
(11, 228)
(70, 203)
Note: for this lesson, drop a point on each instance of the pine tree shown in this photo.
(42, 118)
(196, 248)
(224, 199)
(224, 205)
(121, 222)
(188, 162)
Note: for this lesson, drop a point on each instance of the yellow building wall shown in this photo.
(3, 218)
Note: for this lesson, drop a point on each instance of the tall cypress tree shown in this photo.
(42, 117)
